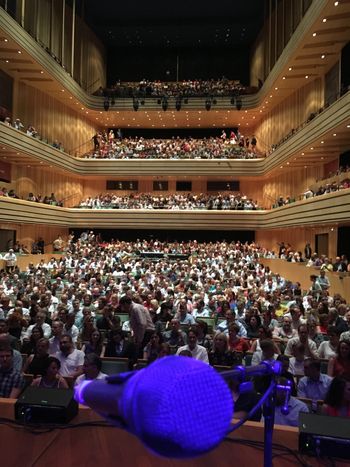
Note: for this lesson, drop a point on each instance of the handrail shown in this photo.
(70, 151)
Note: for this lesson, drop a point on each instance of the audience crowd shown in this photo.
(143, 300)
(31, 131)
(186, 88)
(177, 201)
(233, 146)
(51, 200)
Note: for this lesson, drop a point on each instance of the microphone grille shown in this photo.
(178, 406)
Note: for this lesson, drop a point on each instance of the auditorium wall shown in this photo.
(52, 119)
(289, 114)
(297, 238)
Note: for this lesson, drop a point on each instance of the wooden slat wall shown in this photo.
(52, 119)
(297, 238)
(90, 54)
(290, 183)
(293, 111)
(27, 234)
(45, 182)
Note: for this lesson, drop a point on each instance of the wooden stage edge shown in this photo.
(105, 446)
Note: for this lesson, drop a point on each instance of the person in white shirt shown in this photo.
(54, 341)
(198, 351)
(70, 329)
(10, 259)
(328, 349)
(91, 369)
(39, 321)
(71, 359)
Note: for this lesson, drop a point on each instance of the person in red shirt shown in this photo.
(239, 344)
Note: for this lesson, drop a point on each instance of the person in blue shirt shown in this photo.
(313, 385)
(295, 406)
(182, 313)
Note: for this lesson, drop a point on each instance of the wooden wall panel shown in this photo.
(52, 119)
(290, 183)
(27, 234)
(288, 115)
(45, 182)
(297, 238)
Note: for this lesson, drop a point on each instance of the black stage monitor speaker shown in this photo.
(321, 435)
(41, 405)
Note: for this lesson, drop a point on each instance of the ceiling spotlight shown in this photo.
(323, 56)
(314, 34)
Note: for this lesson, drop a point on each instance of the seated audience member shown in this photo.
(40, 322)
(230, 316)
(87, 329)
(182, 313)
(340, 364)
(264, 333)
(185, 353)
(175, 337)
(108, 320)
(70, 329)
(235, 342)
(295, 406)
(244, 402)
(95, 344)
(335, 320)
(303, 338)
(50, 378)
(204, 338)
(91, 369)
(152, 350)
(286, 373)
(16, 323)
(17, 360)
(314, 385)
(197, 351)
(253, 326)
(118, 346)
(316, 336)
(165, 350)
(29, 344)
(11, 380)
(220, 354)
(285, 332)
(4, 331)
(36, 363)
(54, 341)
(328, 349)
(267, 352)
(71, 359)
(163, 318)
(337, 400)
(296, 363)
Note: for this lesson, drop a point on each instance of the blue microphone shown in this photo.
(178, 407)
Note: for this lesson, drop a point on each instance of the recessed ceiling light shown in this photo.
(290, 68)
(324, 20)
(336, 3)
(19, 52)
(334, 134)
(347, 126)
(287, 163)
(6, 40)
(303, 153)
(6, 61)
(306, 76)
(276, 89)
(314, 34)
(311, 148)
(41, 72)
(323, 56)
(322, 142)
(270, 95)
(305, 166)
(283, 77)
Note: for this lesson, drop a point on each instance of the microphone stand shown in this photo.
(268, 400)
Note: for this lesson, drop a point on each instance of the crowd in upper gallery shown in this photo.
(215, 302)
(176, 201)
(184, 89)
(50, 200)
(231, 145)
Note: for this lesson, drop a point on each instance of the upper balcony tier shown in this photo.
(331, 209)
(328, 134)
